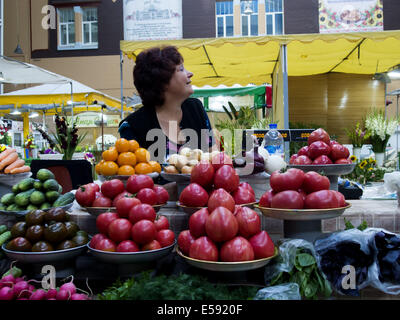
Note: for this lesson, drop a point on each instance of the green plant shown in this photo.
(365, 171)
(348, 225)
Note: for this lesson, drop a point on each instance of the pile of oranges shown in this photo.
(125, 158)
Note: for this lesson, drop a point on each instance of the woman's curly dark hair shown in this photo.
(153, 71)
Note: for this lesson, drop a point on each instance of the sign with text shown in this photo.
(93, 119)
(350, 16)
(152, 19)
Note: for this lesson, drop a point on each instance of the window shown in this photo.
(66, 26)
(224, 16)
(17, 139)
(89, 26)
(249, 14)
(274, 16)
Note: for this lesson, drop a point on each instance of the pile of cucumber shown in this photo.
(44, 192)
(5, 235)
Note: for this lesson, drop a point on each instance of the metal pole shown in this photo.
(72, 103)
(121, 61)
(285, 97)
(397, 134)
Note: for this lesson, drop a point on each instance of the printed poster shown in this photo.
(152, 20)
(350, 16)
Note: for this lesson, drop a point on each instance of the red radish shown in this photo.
(19, 279)
(9, 280)
(25, 293)
(24, 299)
(19, 287)
(79, 296)
(31, 288)
(47, 299)
(69, 287)
(6, 293)
(51, 294)
(63, 295)
(39, 294)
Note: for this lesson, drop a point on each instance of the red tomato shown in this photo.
(185, 240)
(96, 239)
(102, 201)
(303, 194)
(106, 245)
(121, 195)
(339, 151)
(112, 188)
(292, 179)
(322, 160)
(137, 182)
(313, 181)
(323, 199)
(120, 230)
(343, 161)
(142, 211)
(288, 199)
(332, 142)
(247, 186)
(249, 222)
(302, 160)
(319, 135)
(124, 206)
(317, 149)
(147, 195)
(303, 151)
(292, 158)
(227, 178)
(203, 248)
(265, 200)
(262, 245)
(152, 245)
(93, 185)
(161, 223)
(143, 232)
(103, 221)
(243, 195)
(98, 194)
(197, 222)
(161, 194)
(237, 249)
(221, 225)
(85, 196)
(340, 197)
(193, 195)
(127, 246)
(165, 237)
(220, 159)
(202, 174)
(221, 198)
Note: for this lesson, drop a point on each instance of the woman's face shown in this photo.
(180, 83)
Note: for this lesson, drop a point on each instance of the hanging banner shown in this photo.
(350, 16)
(93, 119)
(152, 20)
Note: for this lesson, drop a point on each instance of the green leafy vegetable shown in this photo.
(348, 225)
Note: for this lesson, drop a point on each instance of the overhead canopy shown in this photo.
(49, 97)
(18, 72)
(245, 60)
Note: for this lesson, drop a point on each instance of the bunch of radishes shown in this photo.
(17, 288)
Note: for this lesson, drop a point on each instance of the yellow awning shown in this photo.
(245, 60)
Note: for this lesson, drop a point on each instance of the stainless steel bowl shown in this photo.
(124, 179)
(24, 212)
(95, 211)
(44, 257)
(302, 214)
(227, 266)
(327, 169)
(176, 177)
(189, 210)
(131, 257)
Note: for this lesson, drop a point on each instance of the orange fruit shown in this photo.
(110, 155)
(128, 158)
(126, 170)
(143, 168)
(109, 168)
(133, 145)
(142, 155)
(122, 145)
(98, 167)
(155, 166)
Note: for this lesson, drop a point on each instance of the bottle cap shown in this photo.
(273, 126)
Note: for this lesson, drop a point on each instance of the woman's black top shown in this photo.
(139, 123)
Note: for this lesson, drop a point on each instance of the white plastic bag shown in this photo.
(286, 291)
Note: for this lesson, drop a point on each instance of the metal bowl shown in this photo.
(131, 257)
(176, 177)
(227, 266)
(12, 179)
(327, 169)
(124, 179)
(248, 205)
(189, 210)
(95, 211)
(44, 257)
(302, 214)
(24, 212)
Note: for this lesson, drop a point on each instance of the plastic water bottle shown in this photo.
(273, 141)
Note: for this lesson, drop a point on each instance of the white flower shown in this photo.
(378, 126)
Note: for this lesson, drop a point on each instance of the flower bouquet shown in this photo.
(358, 136)
(380, 129)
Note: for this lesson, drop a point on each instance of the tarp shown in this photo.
(245, 60)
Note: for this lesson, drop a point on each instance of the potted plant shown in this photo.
(380, 129)
(357, 138)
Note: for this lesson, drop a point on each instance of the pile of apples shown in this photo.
(140, 186)
(321, 150)
(225, 233)
(295, 189)
(216, 182)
